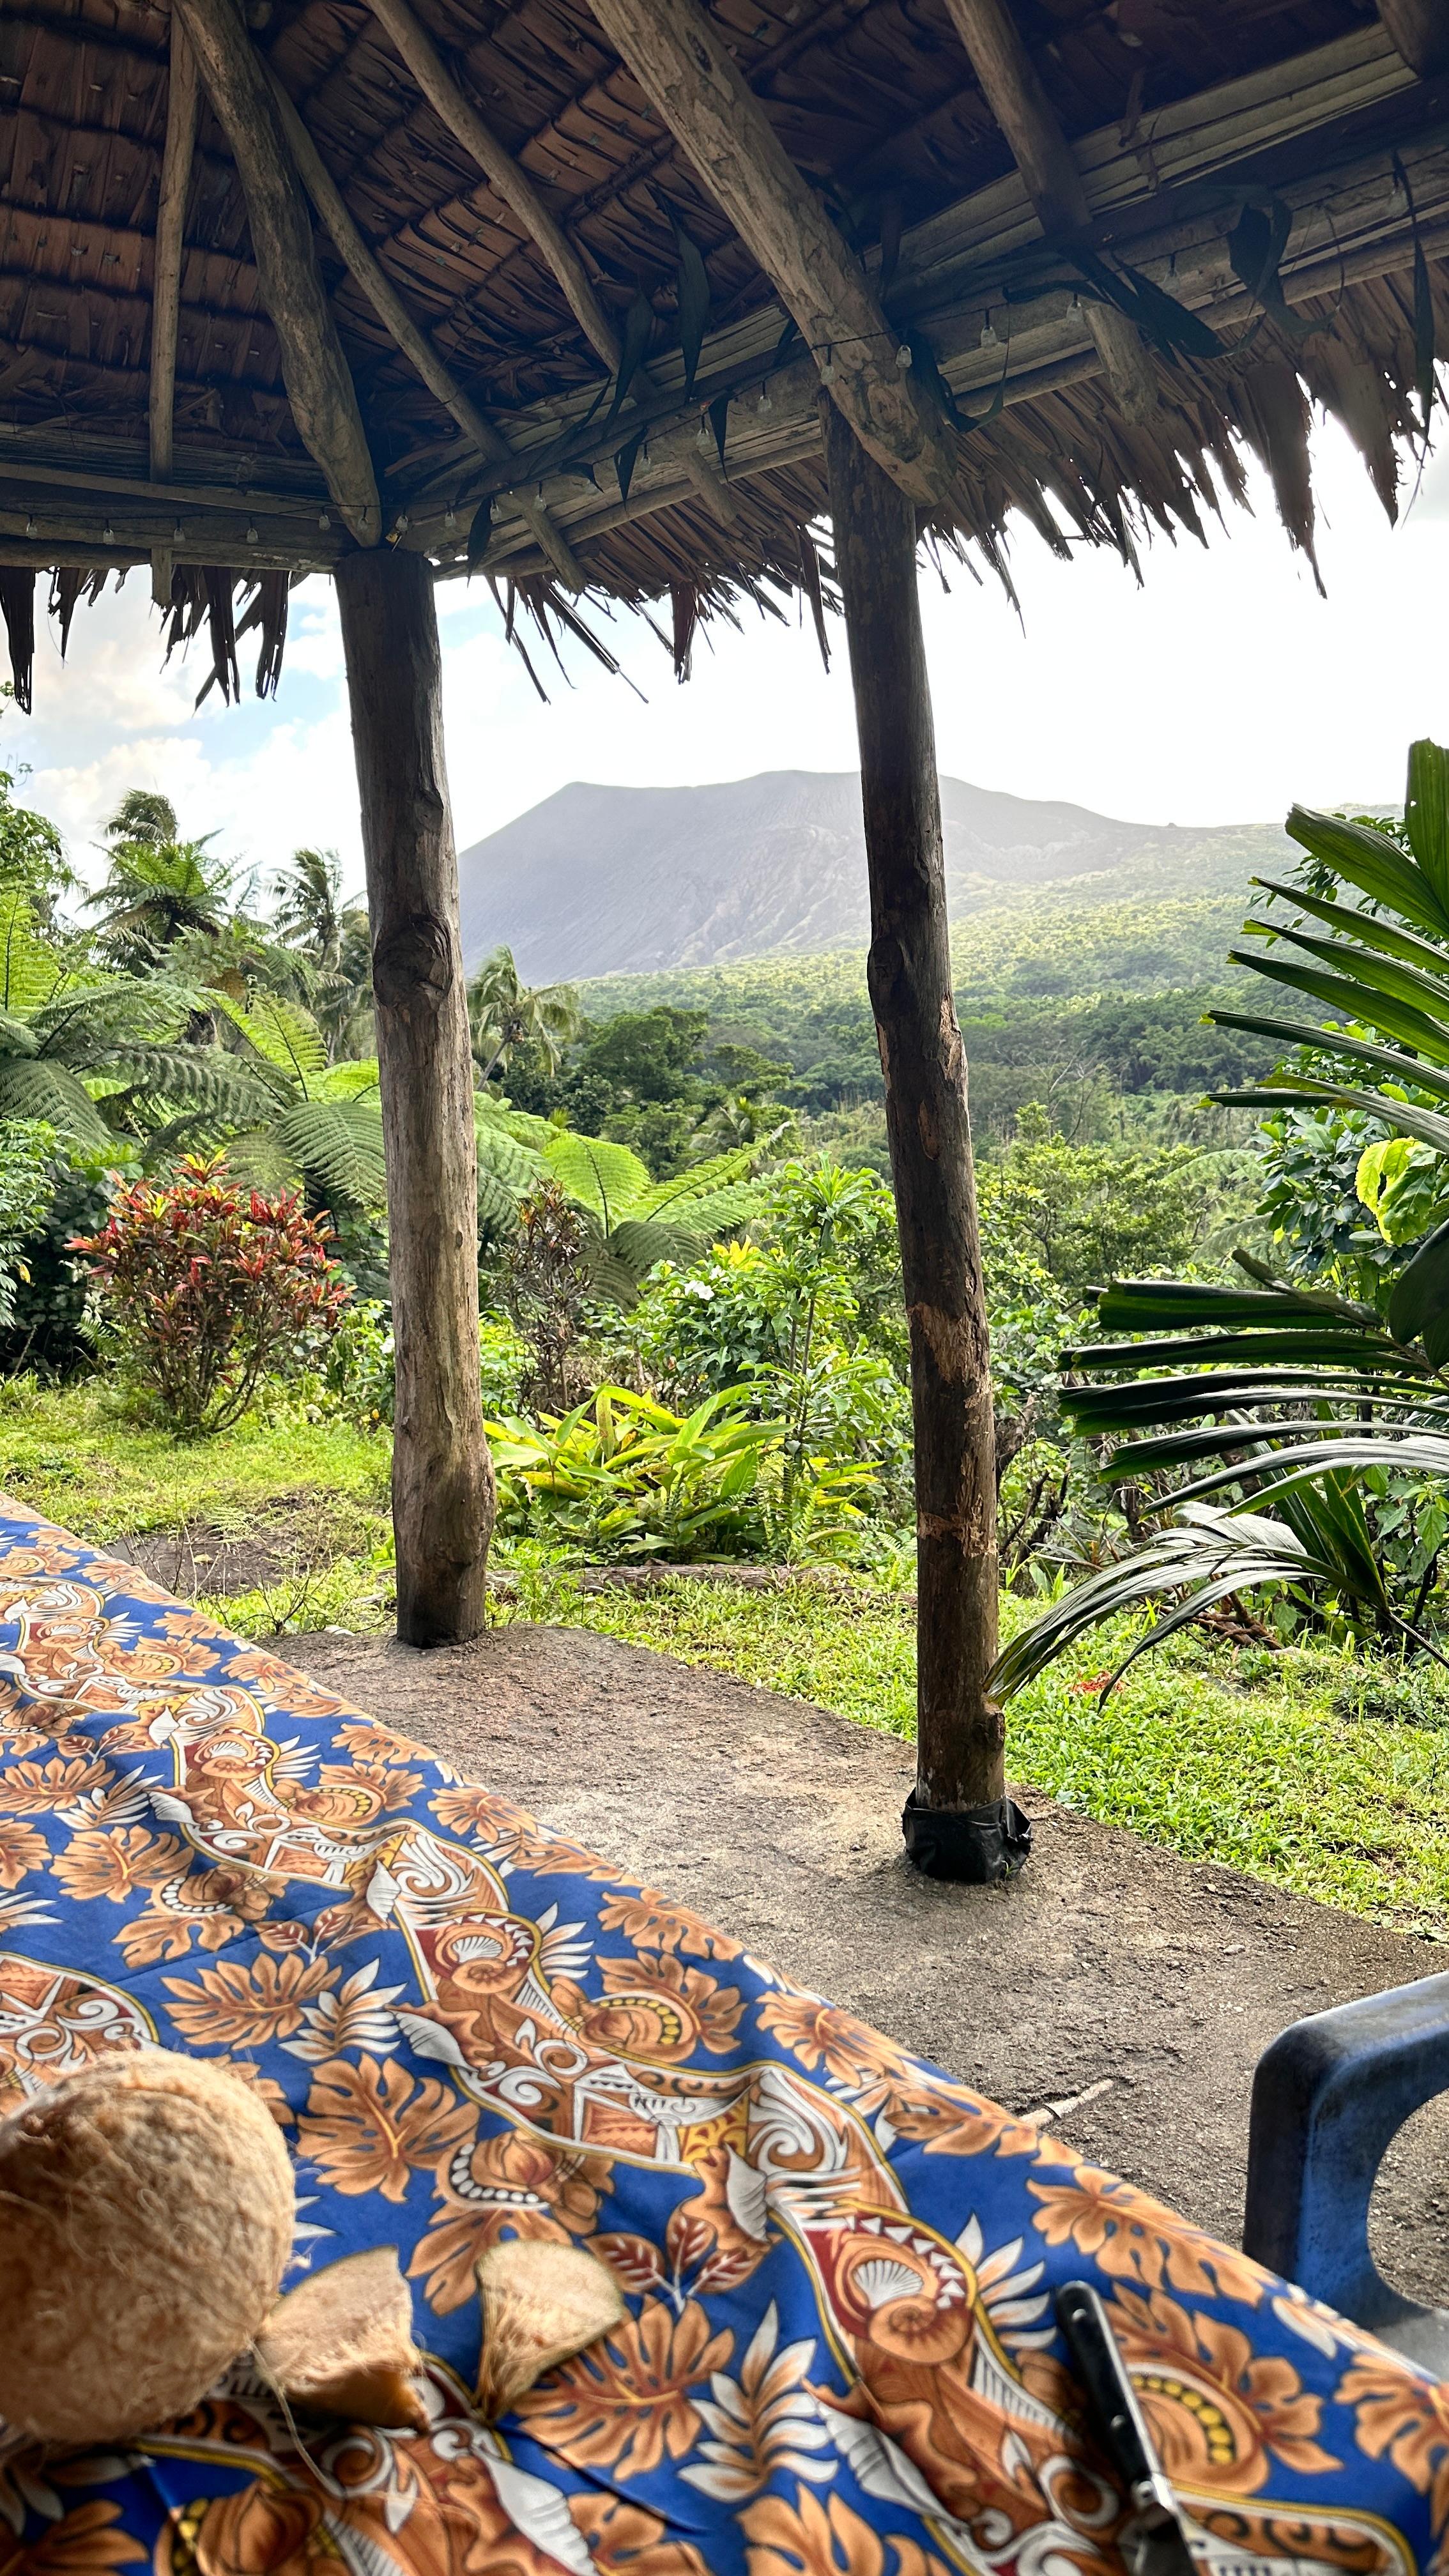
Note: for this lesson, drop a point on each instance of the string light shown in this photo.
(988, 334)
(251, 535)
(450, 518)
(402, 521)
(108, 534)
(764, 403)
(827, 372)
(904, 359)
(324, 519)
(30, 527)
(177, 531)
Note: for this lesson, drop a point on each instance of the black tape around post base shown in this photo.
(974, 1846)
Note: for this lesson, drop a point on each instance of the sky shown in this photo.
(1217, 692)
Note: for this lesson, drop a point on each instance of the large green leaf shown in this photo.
(1371, 928)
(1338, 1042)
(1426, 814)
(1204, 1557)
(1357, 1000)
(1373, 863)
(1419, 1306)
(604, 1178)
(1304, 1093)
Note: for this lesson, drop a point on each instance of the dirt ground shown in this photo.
(1117, 1991)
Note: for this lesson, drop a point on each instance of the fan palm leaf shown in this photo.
(1276, 1398)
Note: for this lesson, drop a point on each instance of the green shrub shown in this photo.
(621, 1476)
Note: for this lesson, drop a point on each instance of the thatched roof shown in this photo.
(1266, 202)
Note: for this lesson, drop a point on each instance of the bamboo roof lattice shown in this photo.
(554, 291)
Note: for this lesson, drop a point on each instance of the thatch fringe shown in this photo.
(268, 613)
(69, 585)
(17, 607)
(684, 600)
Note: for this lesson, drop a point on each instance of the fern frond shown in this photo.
(195, 1077)
(283, 1034)
(338, 1145)
(31, 1087)
(600, 1175)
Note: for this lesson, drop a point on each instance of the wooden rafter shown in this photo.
(318, 382)
(691, 79)
(1013, 90)
(518, 191)
(182, 97)
(1420, 29)
(414, 343)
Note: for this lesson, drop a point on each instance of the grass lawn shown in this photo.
(1264, 1762)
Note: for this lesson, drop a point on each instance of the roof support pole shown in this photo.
(181, 105)
(442, 1477)
(1017, 100)
(678, 55)
(314, 370)
(960, 1731)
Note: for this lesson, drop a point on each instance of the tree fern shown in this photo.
(603, 1177)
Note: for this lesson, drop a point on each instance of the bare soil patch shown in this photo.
(1119, 1993)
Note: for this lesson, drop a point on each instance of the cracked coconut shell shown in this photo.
(341, 2343)
(146, 2211)
(542, 2303)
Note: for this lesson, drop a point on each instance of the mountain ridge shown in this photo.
(637, 880)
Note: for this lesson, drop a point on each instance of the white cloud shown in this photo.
(1215, 693)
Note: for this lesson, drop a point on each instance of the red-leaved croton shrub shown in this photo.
(210, 1284)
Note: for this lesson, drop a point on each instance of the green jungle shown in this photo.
(1212, 1138)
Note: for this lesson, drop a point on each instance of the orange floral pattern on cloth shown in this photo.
(838, 2356)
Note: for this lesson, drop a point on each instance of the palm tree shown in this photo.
(506, 1014)
(333, 940)
(1257, 1411)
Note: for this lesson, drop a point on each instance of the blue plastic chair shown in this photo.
(1329, 2097)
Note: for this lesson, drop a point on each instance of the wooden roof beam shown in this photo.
(181, 107)
(319, 385)
(691, 79)
(1420, 29)
(518, 191)
(414, 343)
(1016, 98)
(182, 99)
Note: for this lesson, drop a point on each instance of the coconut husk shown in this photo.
(542, 2303)
(146, 2212)
(341, 2343)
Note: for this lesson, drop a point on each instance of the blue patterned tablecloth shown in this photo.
(839, 2358)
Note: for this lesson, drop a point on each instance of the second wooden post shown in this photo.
(959, 1823)
(442, 1477)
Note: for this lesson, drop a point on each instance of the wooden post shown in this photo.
(442, 1477)
(960, 1731)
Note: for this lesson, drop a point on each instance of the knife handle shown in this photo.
(1113, 2399)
